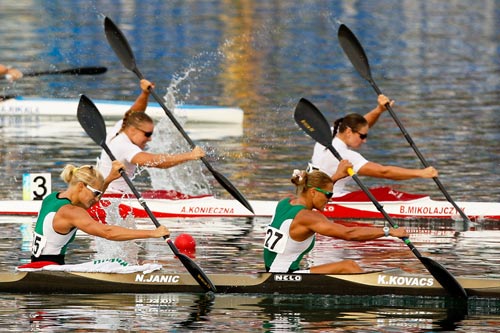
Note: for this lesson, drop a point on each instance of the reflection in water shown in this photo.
(310, 312)
(199, 312)
(256, 312)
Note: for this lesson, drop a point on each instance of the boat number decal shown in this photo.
(157, 278)
(38, 244)
(288, 277)
(275, 240)
(407, 281)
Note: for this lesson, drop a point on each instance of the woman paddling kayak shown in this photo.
(63, 213)
(349, 133)
(291, 234)
(127, 141)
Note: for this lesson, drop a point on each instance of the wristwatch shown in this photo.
(386, 231)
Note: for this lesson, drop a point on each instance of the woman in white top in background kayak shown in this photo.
(349, 133)
(127, 141)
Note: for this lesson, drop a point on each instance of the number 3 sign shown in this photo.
(36, 186)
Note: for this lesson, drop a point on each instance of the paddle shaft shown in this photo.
(420, 156)
(169, 114)
(71, 71)
(377, 204)
(217, 175)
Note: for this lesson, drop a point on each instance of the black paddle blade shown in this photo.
(195, 270)
(444, 277)
(197, 273)
(91, 120)
(312, 121)
(354, 51)
(119, 44)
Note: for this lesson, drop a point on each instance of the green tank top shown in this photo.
(46, 241)
(281, 253)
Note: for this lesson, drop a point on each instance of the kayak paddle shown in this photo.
(356, 54)
(93, 123)
(312, 121)
(121, 47)
(70, 71)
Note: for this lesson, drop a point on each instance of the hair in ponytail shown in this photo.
(134, 119)
(353, 121)
(304, 180)
(86, 174)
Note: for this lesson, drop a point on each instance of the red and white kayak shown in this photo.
(166, 204)
(405, 205)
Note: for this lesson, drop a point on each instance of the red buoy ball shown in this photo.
(186, 244)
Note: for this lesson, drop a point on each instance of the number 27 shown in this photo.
(270, 234)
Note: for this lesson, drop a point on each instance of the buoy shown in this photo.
(186, 245)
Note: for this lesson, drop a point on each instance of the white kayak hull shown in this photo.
(22, 106)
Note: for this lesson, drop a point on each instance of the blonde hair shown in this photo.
(134, 119)
(304, 180)
(86, 173)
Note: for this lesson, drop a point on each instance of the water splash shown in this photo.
(173, 89)
(187, 177)
(128, 251)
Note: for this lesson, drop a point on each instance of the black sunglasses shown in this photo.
(362, 136)
(146, 134)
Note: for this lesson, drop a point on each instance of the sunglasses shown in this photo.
(362, 136)
(146, 134)
(96, 193)
(327, 194)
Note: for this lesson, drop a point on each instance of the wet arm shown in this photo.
(117, 233)
(165, 161)
(141, 103)
(69, 217)
(372, 116)
(372, 169)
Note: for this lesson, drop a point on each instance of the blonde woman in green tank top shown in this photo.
(291, 233)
